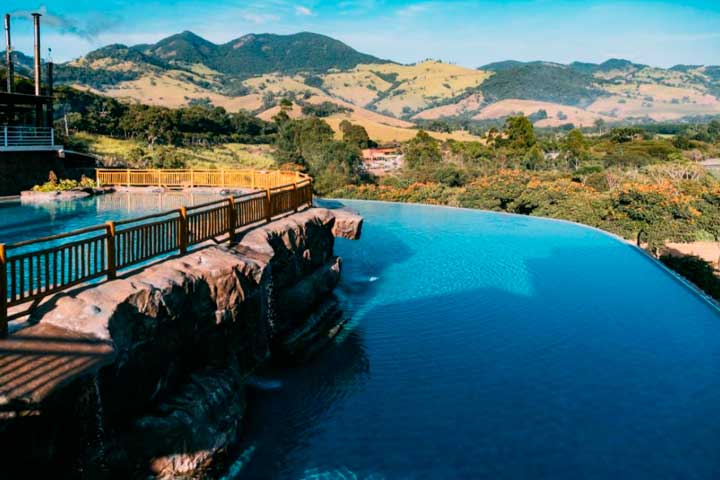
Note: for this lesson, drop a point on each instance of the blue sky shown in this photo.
(467, 32)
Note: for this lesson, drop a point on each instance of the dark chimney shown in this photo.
(49, 109)
(38, 73)
(8, 55)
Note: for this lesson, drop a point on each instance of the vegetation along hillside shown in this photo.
(644, 182)
(255, 72)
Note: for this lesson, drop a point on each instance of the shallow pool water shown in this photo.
(20, 221)
(493, 346)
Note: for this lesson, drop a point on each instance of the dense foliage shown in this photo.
(194, 125)
(697, 271)
(311, 143)
(542, 81)
(54, 184)
(625, 181)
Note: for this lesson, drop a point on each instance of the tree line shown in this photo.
(193, 125)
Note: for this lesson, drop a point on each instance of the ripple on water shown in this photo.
(494, 346)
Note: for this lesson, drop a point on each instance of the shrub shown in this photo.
(697, 270)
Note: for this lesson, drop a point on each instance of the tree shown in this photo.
(519, 133)
(333, 165)
(534, 159)
(575, 149)
(422, 151)
(627, 134)
(599, 125)
(296, 137)
(310, 142)
(344, 126)
(286, 105)
(356, 135)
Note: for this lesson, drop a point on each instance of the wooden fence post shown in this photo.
(128, 177)
(192, 178)
(231, 219)
(3, 292)
(295, 199)
(183, 231)
(252, 180)
(268, 205)
(110, 251)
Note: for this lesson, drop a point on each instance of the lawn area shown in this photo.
(116, 151)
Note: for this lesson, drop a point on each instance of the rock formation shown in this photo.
(182, 335)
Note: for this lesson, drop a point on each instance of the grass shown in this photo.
(170, 90)
(423, 84)
(228, 155)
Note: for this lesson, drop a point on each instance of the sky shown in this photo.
(467, 32)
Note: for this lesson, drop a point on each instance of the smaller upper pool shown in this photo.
(20, 222)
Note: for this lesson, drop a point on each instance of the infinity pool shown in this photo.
(480, 345)
(491, 346)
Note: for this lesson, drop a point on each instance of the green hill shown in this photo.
(246, 56)
(255, 71)
(547, 82)
(308, 52)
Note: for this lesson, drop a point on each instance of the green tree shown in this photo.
(310, 142)
(296, 137)
(519, 134)
(600, 125)
(344, 126)
(286, 105)
(422, 151)
(575, 149)
(357, 135)
(333, 165)
(534, 159)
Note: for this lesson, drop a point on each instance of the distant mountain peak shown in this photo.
(251, 54)
(619, 64)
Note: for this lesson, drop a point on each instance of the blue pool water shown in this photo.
(500, 347)
(480, 345)
(20, 222)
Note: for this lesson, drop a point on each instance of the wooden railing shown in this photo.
(198, 178)
(34, 269)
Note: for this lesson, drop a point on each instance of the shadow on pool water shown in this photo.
(580, 359)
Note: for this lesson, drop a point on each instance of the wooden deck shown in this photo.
(35, 361)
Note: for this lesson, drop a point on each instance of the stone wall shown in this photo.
(184, 335)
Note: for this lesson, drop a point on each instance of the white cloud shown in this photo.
(259, 18)
(304, 11)
(412, 10)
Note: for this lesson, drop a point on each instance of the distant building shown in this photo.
(382, 160)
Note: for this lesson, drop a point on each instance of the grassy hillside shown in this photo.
(255, 72)
(229, 155)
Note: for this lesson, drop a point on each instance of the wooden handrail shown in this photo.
(39, 270)
(233, 178)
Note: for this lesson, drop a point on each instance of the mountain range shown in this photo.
(254, 71)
